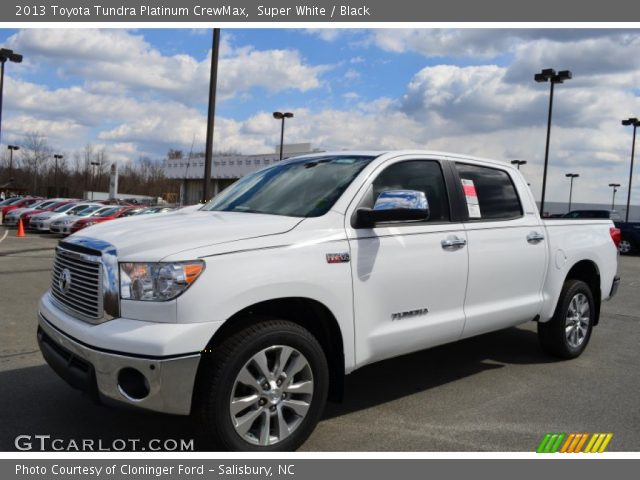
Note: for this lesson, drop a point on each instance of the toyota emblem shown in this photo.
(64, 282)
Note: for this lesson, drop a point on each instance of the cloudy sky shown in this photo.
(141, 92)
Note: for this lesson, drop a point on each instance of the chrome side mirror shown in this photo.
(395, 206)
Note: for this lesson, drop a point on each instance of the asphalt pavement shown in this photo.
(496, 392)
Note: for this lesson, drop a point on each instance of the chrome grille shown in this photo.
(81, 293)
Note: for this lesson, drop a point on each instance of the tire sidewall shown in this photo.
(305, 344)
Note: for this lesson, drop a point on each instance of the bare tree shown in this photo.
(34, 153)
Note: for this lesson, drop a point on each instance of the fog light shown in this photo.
(133, 384)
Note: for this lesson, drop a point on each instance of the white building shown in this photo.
(225, 170)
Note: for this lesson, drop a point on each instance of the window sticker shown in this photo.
(472, 198)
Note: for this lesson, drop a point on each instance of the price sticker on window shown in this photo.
(470, 194)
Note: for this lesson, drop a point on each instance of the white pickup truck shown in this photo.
(249, 312)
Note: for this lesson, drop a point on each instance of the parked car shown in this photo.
(9, 201)
(610, 214)
(23, 202)
(249, 312)
(157, 209)
(40, 221)
(16, 214)
(11, 218)
(27, 216)
(62, 225)
(630, 241)
(103, 215)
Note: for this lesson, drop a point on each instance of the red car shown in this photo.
(23, 203)
(26, 216)
(100, 216)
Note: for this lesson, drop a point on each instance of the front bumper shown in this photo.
(39, 225)
(61, 229)
(162, 384)
(10, 221)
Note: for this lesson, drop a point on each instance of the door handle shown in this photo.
(453, 243)
(535, 237)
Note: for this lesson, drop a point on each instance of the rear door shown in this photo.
(507, 251)
(408, 284)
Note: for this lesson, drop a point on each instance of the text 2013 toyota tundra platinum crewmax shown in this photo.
(249, 312)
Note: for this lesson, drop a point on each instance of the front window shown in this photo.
(306, 187)
(64, 208)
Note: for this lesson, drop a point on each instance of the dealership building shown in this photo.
(225, 170)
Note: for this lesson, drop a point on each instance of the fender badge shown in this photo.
(338, 257)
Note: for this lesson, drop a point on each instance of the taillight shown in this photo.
(616, 236)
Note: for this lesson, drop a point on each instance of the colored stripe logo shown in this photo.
(574, 443)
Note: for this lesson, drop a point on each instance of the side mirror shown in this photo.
(395, 206)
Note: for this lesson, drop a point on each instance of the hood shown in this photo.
(44, 214)
(17, 211)
(155, 236)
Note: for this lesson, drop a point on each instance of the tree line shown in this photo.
(32, 170)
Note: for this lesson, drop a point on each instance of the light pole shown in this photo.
(635, 122)
(282, 116)
(6, 54)
(211, 115)
(11, 148)
(93, 171)
(571, 176)
(57, 157)
(518, 163)
(549, 75)
(615, 189)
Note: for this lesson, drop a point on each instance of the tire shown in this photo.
(232, 404)
(567, 334)
(627, 247)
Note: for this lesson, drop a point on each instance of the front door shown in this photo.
(409, 278)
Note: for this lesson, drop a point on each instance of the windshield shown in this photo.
(64, 208)
(88, 210)
(307, 187)
(106, 213)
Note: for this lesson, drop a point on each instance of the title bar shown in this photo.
(329, 11)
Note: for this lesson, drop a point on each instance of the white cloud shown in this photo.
(125, 58)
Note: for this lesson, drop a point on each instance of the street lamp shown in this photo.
(6, 54)
(57, 157)
(549, 75)
(635, 122)
(282, 116)
(615, 189)
(93, 171)
(571, 176)
(11, 148)
(518, 163)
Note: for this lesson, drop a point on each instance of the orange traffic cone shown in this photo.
(20, 229)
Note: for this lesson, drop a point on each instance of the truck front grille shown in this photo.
(76, 284)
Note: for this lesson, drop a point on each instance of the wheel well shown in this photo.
(587, 271)
(308, 313)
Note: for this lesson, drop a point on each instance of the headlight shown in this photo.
(157, 282)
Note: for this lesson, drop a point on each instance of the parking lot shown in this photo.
(496, 392)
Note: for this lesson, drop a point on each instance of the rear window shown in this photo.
(489, 192)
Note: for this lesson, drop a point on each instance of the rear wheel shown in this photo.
(264, 388)
(627, 247)
(568, 332)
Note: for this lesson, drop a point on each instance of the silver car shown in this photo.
(42, 221)
(62, 225)
(12, 218)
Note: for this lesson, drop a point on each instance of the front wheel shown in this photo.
(263, 388)
(568, 332)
